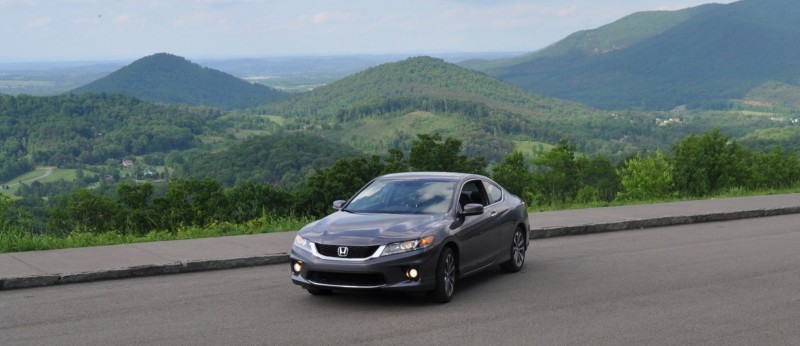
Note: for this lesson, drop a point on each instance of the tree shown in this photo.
(433, 153)
(140, 217)
(776, 169)
(599, 179)
(248, 201)
(513, 174)
(395, 162)
(646, 178)
(191, 202)
(555, 174)
(337, 182)
(6, 221)
(135, 196)
(709, 163)
(86, 212)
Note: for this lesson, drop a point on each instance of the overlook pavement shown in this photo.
(53, 267)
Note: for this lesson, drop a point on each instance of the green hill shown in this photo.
(69, 130)
(701, 57)
(280, 159)
(414, 77)
(774, 95)
(618, 35)
(167, 78)
(385, 106)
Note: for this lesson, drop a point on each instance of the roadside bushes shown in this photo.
(138, 209)
(644, 178)
(701, 165)
(705, 165)
(186, 203)
(558, 177)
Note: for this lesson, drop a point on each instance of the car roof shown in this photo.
(432, 175)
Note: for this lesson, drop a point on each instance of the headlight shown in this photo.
(303, 243)
(409, 245)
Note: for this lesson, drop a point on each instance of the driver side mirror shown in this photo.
(472, 209)
(337, 205)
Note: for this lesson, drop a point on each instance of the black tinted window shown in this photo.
(471, 193)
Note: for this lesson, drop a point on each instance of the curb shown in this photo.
(281, 258)
(140, 271)
(541, 233)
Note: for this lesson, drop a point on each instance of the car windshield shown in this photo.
(404, 197)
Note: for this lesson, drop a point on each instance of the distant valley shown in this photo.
(289, 133)
(633, 86)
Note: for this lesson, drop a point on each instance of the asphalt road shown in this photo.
(724, 283)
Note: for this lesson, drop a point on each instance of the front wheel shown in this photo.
(517, 260)
(445, 277)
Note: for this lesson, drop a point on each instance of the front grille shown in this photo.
(352, 251)
(346, 279)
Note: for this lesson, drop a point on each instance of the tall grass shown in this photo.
(18, 240)
(732, 192)
(14, 240)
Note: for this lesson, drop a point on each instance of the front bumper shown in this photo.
(388, 273)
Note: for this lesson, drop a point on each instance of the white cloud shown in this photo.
(202, 20)
(320, 17)
(42, 22)
(566, 11)
(328, 17)
(125, 18)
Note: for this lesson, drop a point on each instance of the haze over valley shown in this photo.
(634, 87)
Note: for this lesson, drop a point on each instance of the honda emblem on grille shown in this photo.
(343, 251)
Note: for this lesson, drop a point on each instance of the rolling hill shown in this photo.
(620, 34)
(417, 77)
(282, 159)
(387, 105)
(90, 129)
(701, 57)
(171, 79)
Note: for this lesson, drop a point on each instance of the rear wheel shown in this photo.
(445, 277)
(517, 260)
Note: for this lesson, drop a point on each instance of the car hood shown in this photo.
(354, 229)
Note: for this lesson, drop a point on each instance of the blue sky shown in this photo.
(63, 30)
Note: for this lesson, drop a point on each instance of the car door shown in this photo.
(478, 241)
(503, 220)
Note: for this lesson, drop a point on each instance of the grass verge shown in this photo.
(19, 240)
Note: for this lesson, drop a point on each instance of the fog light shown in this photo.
(412, 273)
(297, 266)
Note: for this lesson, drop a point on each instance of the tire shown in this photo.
(319, 291)
(517, 260)
(446, 272)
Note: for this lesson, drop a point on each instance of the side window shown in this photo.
(494, 192)
(471, 193)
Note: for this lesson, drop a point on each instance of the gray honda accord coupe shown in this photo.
(418, 232)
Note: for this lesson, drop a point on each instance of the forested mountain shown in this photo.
(416, 77)
(171, 79)
(280, 159)
(384, 106)
(620, 34)
(704, 58)
(91, 129)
